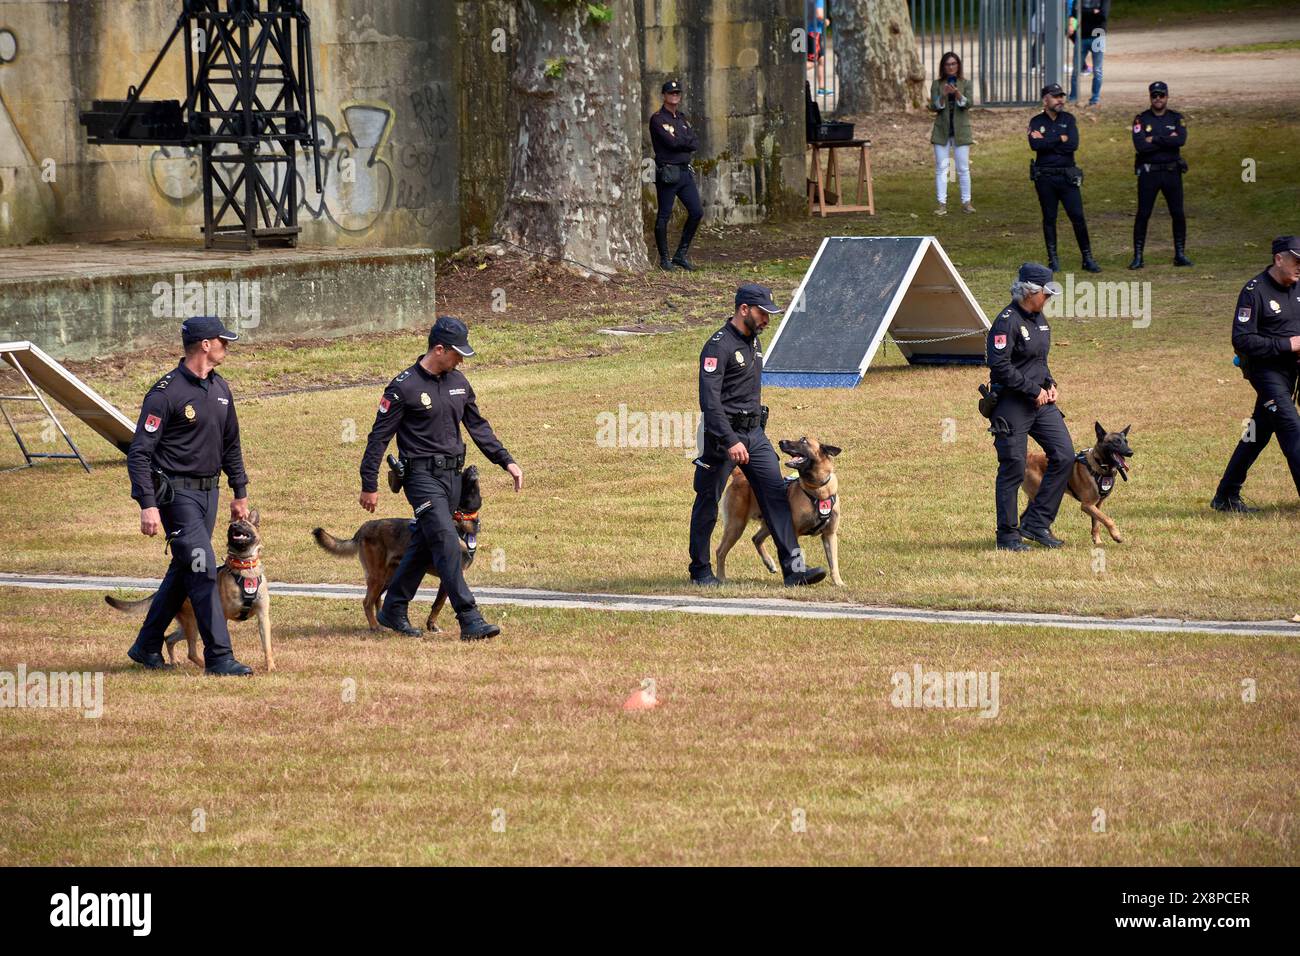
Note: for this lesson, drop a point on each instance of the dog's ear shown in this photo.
(831, 450)
(1101, 432)
(1125, 431)
(254, 517)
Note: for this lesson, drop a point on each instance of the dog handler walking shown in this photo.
(425, 406)
(1016, 350)
(187, 435)
(1266, 338)
(731, 369)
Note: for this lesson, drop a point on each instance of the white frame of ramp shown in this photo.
(959, 287)
(70, 392)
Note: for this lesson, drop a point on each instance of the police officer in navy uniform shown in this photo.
(1016, 350)
(674, 141)
(425, 406)
(1054, 138)
(1266, 338)
(731, 369)
(1158, 136)
(187, 435)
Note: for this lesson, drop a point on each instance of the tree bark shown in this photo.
(574, 189)
(876, 62)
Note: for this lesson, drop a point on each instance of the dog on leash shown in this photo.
(241, 588)
(381, 543)
(814, 505)
(1093, 477)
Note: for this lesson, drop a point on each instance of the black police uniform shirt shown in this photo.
(1049, 151)
(188, 427)
(1168, 133)
(1016, 351)
(1267, 316)
(731, 380)
(426, 412)
(672, 137)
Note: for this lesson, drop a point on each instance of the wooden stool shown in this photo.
(818, 182)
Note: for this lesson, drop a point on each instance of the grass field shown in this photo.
(755, 726)
(759, 720)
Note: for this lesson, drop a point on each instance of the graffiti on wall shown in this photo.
(363, 175)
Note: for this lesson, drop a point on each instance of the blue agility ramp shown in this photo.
(857, 289)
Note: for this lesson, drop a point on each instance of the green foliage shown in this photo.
(555, 67)
(600, 12)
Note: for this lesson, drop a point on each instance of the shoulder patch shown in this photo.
(717, 336)
(403, 377)
(1243, 314)
(162, 382)
(1251, 284)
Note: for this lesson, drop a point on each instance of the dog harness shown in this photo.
(248, 586)
(1105, 479)
(823, 508)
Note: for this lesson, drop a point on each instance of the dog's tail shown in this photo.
(333, 545)
(134, 608)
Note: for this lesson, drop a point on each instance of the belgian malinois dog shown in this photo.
(381, 543)
(1091, 479)
(814, 505)
(242, 576)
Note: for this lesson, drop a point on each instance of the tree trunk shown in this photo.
(876, 62)
(574, 188)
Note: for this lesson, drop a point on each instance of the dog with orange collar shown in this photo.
(241, 586)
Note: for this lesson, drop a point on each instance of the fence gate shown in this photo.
(1003, 44)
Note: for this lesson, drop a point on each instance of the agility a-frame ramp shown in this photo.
(857, 290)
(38, 368)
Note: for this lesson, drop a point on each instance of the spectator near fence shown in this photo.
(950, 98)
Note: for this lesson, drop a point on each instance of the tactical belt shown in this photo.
(744, 421)
(1159, 167)
(187, 482)
(437, 463)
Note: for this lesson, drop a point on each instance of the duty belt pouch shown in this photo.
(165, 494)
(988, 400)
(396, 474)
(1182, 165)
(1075, 174)
(670, 175)
(1033, 171)
(762, 417)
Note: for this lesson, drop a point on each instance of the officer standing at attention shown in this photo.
(1266, 338)
(1016, 351)
(1158, 135)
(731, 370)
(674, 141)
(425, 406)
(1054, 137)
(186, 436)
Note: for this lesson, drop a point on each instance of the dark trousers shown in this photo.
(1054, 190)
(188, 520)
(1150, 185)
(764, 474)
(1046, 426)
(433, 495)
(1275, 413)
(684, 189)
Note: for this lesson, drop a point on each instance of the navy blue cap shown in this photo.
(202, 327)
(1037, 274)
(758, 295)
(1053, 88)
(1158, 87)
(672, 86)
(1289, 244)
(451, 332)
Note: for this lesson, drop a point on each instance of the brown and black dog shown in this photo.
(381, 543)
(242, 570)
(1092, 479)
(814, 505)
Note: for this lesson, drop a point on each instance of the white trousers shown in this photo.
(941, 170)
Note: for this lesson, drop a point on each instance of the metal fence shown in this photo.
(1003, 44)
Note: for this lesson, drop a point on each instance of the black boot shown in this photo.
(661, 243)
(1137, 256)
(1089, 263)
(1180, 257)
(1053, 262)
(683, 247)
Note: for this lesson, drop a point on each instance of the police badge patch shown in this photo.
(710, 364)
(824, 506)
(740, 359)
(425, 400)
(1272, 304)
(151, 423)
(189, 412)
(384, 405)
(999, 341)
(1243, 314)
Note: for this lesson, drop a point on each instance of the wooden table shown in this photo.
(818, 182)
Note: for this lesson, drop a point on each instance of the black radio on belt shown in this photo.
(746, 421)
(396, 474)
